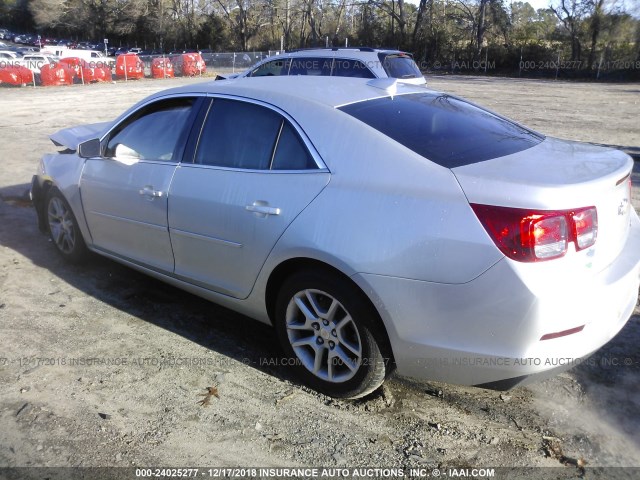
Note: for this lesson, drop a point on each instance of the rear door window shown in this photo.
(344, 67)
(244, 135)
(238, 135)
(312, 66)
(273, 68)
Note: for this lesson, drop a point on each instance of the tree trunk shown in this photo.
(481, 29)
(418, 25)
(596, 25)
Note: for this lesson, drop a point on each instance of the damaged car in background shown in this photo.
(378, 226)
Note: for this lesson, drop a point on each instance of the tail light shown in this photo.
(534, 235)
(585, 227)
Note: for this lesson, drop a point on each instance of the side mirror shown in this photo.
(89, 148)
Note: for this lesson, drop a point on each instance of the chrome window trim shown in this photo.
(263, 172)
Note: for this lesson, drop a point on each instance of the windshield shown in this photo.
(444, 129)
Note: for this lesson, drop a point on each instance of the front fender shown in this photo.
(63, 171)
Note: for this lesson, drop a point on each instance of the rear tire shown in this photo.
(326, 327)
(63, 227)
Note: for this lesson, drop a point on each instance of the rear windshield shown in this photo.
(444, 129)
(399, 66)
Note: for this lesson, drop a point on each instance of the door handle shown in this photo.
(148, 191)
(262, 210)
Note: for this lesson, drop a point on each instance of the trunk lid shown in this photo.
(560, 175)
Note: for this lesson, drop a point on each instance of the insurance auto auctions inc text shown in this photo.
(332, 473)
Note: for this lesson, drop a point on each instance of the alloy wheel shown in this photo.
(323, 336)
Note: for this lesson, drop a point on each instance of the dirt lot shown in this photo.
(92, 369)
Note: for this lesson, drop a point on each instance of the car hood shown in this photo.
(72, 137)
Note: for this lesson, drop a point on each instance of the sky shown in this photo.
(631, 6)
(536, 4)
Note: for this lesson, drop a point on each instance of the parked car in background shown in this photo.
(29, 49)
(94, 56)
(231, 60)
(68, 43)
(53, 50)
(340, 62)
(35, 62)
(9, 58)
(41, 41)
(375, 224)
(185, 50)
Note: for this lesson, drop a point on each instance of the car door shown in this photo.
(124, 192)
(253, 173)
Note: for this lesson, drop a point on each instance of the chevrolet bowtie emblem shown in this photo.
(623, 207)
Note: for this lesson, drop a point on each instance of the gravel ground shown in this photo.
(88, 369)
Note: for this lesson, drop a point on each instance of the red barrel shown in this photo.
(133, 65)
(161, 67)
(190, 64)
(56, 74)
(93, 71)
(74, 64)
(16, 75)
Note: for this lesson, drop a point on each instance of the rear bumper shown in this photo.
(488, 332)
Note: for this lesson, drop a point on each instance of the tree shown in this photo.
(570, 13)
(245, 18)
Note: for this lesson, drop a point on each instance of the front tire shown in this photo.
(63, 227)
(326, 326)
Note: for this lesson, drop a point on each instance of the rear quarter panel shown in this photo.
(386, 210)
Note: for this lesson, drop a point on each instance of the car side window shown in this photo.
(319, 67)
(152, 133)
(248, 136)
(238, 135)
(344, 67)
(291, 153)
(272, 69)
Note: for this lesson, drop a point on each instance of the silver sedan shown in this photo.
(376, 225)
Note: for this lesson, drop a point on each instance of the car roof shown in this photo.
(338, 52)
(282, 90)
